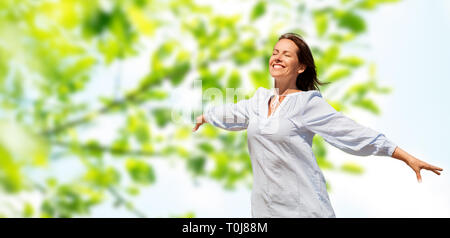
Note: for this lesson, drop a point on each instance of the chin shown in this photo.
(277, 75)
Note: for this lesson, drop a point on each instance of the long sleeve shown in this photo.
(231, 116)
(342, 132)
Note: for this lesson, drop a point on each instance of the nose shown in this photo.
(277, 58)
(277, 61)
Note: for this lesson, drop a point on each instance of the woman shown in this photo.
(280, 130)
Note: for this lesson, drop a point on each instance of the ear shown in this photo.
(301, 69)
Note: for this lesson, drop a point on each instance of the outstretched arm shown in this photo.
(348, 135)
(414, 163)
(230, 116)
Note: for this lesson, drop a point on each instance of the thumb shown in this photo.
(419, 178)
(200, 120)
(196, 127)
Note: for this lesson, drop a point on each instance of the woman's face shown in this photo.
(284, 64)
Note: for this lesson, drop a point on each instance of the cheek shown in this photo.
(292, 64)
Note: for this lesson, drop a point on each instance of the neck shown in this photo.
(285, 86)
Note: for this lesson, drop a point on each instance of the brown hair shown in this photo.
(307, 80)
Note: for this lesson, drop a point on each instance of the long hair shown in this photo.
(307, 80)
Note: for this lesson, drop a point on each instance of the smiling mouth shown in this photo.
(278, 66)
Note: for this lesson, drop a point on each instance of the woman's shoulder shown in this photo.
(308, 98)
(313, 97)
(313, 93)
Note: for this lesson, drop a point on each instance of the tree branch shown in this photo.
(130, 98)
(107, 149)
(120, 200)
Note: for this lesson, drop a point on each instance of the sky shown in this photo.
(409, 44)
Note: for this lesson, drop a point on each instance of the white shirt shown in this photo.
(287, 182)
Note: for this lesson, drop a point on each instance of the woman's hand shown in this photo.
(415, 163)
(200, 120)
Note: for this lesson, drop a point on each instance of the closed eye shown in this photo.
(288, 55)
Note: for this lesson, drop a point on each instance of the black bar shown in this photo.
(225, 227)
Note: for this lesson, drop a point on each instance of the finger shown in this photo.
(437, 168)
(196, 127)
(435, 171)
(433, 168)
(419, 178)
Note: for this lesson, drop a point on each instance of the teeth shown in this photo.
(277, 66)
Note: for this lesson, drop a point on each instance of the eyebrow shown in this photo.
(283, 50)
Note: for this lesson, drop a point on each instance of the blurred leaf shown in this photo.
(140, 171)
(372, 4)
(245, 52)
(342, 38)
(330, 55)
(320, 153)
(183, 133)
(102, 177)
(234, 80)
(51, 182)
(220, 171)
(79, 67)
(260, 79)
(350, 21)
(338, 106)
(28, 210)
(338, 74)
(97, 22)
(10, 177)
(353, 61)
(185, 215)
(367, 104)
(321, 22)
(154, 94)
(209, 131)
(258, 10)
(162, 116)
(211, 79)
(23, 144)
(180, 69)
(120, 146)
(206, 147)
(196, 164)
(352, 168)
(143, 133)
(147, 148)
(68, 200)
(142, 22)
(133, 190)
(94, 148)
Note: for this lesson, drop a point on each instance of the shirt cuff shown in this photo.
(390, 147)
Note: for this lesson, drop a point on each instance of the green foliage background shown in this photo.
(50, 51)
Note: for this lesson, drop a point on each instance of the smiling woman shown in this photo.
(292, 58)
(287, 181)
